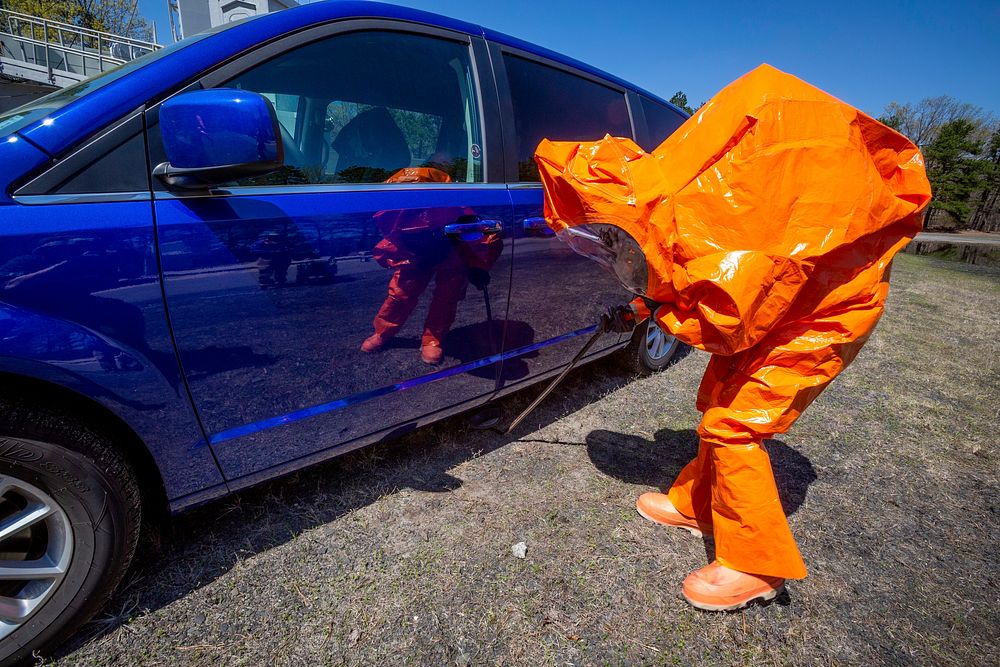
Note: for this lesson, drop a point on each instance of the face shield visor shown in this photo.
(614, 249)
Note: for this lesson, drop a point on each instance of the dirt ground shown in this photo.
(401, 553)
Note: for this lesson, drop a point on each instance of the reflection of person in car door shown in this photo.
(415, 246)
(273, 259)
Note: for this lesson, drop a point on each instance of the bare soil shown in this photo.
(401, 553)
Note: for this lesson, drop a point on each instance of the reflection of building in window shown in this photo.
(286, 107)
(200, 15)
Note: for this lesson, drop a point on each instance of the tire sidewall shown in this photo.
(98, 522)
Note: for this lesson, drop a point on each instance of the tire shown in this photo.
(651, 349)
(89, 533)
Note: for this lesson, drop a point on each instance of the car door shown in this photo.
(557, 295)
(382, 221)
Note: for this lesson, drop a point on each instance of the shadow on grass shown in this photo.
(205, 544)
(636, 460)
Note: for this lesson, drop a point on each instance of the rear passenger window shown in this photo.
(364, 106)
(661, 121)
(553, 104)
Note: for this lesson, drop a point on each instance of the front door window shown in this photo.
(360, 107)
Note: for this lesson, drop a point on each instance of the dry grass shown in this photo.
(400, 554)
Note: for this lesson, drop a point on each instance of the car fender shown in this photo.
(123, 380)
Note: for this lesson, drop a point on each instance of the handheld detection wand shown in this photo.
(616, 320)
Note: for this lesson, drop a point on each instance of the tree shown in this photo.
(921, 121)
(953, 136)
(680, 99)
(986, 217)
(953, 167)
(120, 17)
(893, 121)
(56, 10)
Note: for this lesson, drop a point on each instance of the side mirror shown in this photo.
(212, 137)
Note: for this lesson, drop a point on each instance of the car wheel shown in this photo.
(652, 349)
(69, 525)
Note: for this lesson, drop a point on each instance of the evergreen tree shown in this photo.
(986, 217)
(954, 169)
(955, 138)
(680, 99)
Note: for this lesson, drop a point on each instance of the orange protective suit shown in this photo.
(768, 222)
(415, 247)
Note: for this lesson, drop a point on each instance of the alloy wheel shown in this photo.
(658, 343)
(36, 548)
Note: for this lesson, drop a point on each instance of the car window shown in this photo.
(361, 107)
(286, 108)
(661, 121)
(552, 104)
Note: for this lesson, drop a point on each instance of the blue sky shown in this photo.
(866, 53)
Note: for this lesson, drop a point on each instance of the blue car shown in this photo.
(265, 246)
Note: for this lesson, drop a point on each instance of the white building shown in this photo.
(200, 15)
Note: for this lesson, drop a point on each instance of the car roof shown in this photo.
(67, 126)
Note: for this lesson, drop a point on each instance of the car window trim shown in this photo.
(485, 89)
(81, 198)
(640, 127)
(554, 64)
(497, 51)
(320, 188)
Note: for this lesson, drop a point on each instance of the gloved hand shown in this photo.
(619, 319)
(479, 278)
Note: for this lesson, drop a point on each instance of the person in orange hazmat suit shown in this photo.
(762, 232)
(415, 246)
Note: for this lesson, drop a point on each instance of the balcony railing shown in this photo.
(61, 52)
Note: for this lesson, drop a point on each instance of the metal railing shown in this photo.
(63, 52)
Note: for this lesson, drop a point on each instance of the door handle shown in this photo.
(537, 227)
(473, 231)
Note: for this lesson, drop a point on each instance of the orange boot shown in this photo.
(718, 588)
(431, 352)
(373, 343)
(657, 508)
